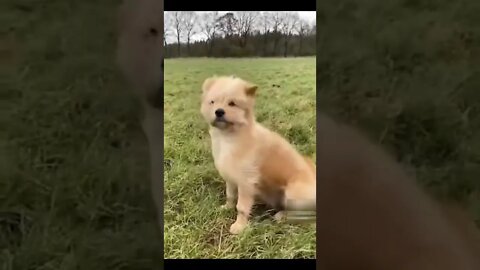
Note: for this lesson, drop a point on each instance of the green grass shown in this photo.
(74, 191)
(195, 227)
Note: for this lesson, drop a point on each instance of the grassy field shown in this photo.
(195, 227)
(407, 73)
(74, 192)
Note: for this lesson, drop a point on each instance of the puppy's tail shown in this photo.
(301, 210)
(300, 194)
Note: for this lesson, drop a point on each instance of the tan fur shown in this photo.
(371, 215)
(140, 48)
(254, 161)
(140, 58)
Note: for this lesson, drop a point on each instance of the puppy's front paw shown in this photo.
(280, 216)
(237, 227)
(227, 205)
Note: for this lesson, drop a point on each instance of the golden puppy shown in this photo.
(140, 58)
(253, 161)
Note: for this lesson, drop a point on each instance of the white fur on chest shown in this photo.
(232, 168)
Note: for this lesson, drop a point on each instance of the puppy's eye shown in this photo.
(153, 31)
(211, 102)
(231, 103)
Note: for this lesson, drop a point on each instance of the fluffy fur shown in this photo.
(372, 215)
(254, 161)
(140, 58)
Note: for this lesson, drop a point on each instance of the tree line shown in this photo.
(238, 34)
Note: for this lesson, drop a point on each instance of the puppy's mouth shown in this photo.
(221, 123)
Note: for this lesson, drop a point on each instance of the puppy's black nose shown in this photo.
(219, 112)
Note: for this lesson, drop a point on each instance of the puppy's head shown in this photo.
(140, 48)
(227, 102)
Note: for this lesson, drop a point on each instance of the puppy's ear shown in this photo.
(251, 89)
(208, 83)
(125, 14)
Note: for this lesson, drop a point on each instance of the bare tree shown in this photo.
(245, 25)
(167, 32)
(175, 20)
(208, 26)
(303, 29)
(276, 21)
(289, 24)
(190, 24)
(227, 25)
(265, 23)
(238, 33)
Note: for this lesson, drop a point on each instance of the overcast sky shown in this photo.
(309, 16)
